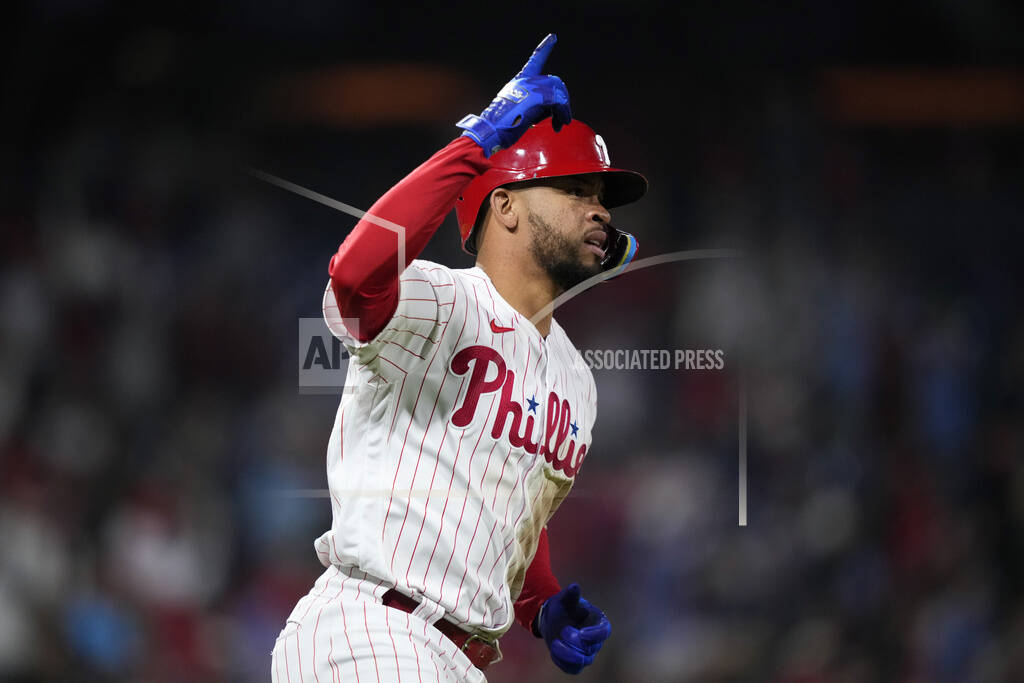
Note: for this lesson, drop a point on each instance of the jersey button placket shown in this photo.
(544, 397)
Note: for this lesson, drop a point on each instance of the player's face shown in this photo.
(567, 227)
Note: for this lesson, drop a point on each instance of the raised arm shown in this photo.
(365, 270)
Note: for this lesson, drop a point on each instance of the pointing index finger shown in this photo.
(535, 63)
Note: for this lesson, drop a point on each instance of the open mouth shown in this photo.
(597, 239)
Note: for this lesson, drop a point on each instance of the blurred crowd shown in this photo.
(154, 443)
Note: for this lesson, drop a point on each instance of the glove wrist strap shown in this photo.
(535, 626)
(481, 132)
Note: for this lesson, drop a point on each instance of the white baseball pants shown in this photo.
(340, 631)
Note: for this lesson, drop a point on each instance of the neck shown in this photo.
(523, 285)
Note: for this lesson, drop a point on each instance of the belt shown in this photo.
(480, 651)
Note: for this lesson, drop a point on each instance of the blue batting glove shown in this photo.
(573, 629)
(526, 99)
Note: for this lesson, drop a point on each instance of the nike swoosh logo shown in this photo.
(498, 329)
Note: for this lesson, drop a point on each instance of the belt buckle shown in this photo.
(485, 641)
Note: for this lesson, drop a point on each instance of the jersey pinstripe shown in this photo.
(460, 434)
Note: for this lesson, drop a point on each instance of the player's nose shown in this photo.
(598, 214)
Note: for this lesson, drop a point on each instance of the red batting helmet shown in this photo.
(543, 153)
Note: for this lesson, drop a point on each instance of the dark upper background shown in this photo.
(866, 156)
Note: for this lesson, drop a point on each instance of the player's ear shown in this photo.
(504, 208)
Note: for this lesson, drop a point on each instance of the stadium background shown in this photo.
(867, 157)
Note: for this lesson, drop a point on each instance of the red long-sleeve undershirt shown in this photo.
(539, 585)
(364, 272)
(364, 276)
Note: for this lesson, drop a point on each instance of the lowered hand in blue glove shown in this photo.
(573, 629)
(526, 99)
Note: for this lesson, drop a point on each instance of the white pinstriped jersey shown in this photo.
(458, 436)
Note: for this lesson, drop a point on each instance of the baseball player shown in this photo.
(467, 419)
